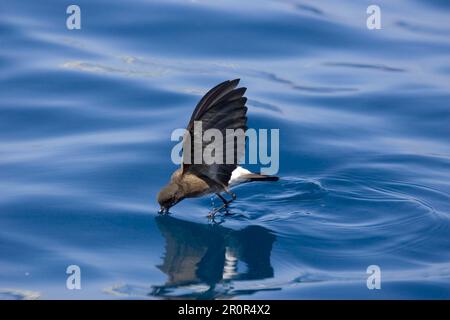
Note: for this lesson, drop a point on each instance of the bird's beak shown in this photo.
(163, 210)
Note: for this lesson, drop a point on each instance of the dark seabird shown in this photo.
(223, 107)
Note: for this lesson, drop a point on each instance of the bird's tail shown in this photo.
(259, 177)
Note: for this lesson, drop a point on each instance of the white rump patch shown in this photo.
(236, 175)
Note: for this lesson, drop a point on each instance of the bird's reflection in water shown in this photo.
(210, 258)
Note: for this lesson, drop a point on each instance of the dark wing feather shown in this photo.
(223, 107)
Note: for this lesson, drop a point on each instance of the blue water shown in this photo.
(85, 123)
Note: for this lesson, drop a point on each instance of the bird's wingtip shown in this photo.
(235, 81)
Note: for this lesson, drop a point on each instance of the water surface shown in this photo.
(86, 118)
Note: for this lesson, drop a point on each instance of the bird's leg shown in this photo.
(233, 197)
(225, 203)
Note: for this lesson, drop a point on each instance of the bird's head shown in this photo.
(169, 196)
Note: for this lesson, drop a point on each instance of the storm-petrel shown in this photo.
(222, 108)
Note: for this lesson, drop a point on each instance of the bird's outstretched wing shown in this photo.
(223, 107)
